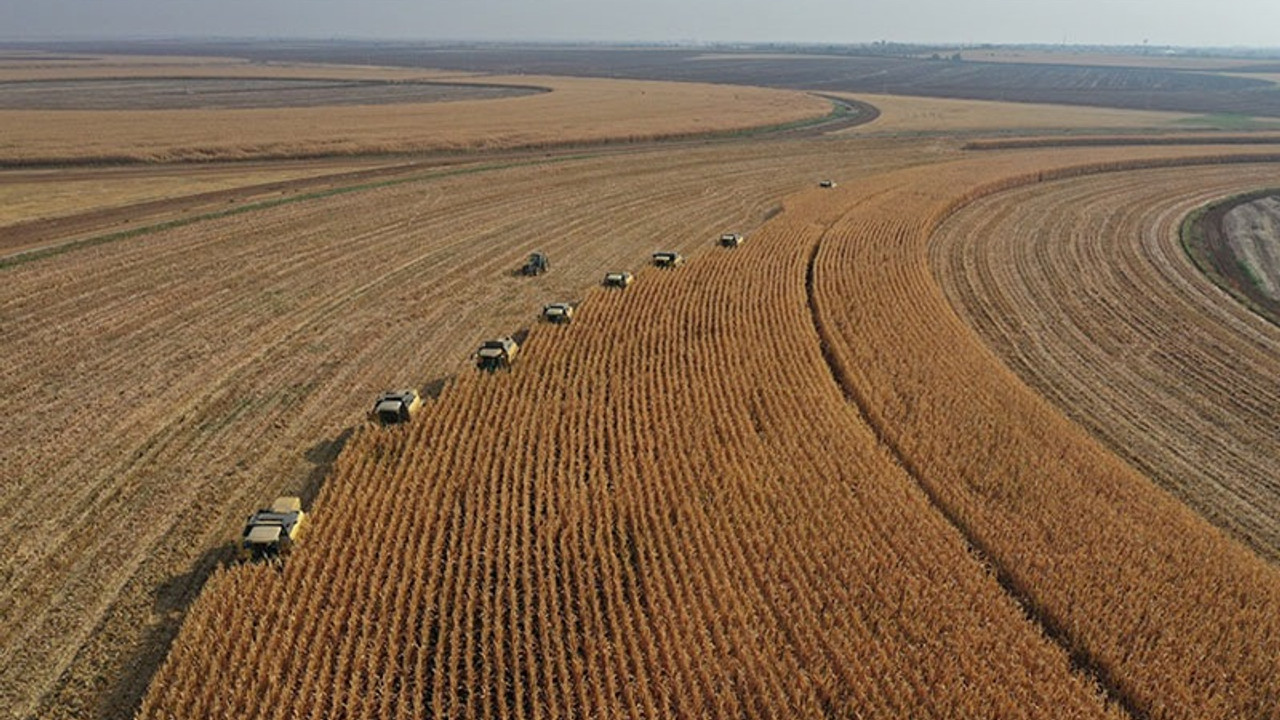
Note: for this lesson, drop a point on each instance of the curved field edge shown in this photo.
(844, 113)
(576, 111)
(1082, 288)
(1204, 241)
(1180, 616)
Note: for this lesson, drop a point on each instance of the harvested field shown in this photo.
(1155, 59)
(1139, 347)
(28, 196)
(755, 486)
(106, 67)
(901, 114)
(1159, 87)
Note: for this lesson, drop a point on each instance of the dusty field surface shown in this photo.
(187, 375)
(575, 110)
(1253, 233)
(786, 479)
(1082, 286)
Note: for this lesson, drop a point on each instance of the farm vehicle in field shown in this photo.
(618, 279)
(497, 354)
(395, 406)
(559, 313)
(731, 240)
(271, 532)
(827, 184)
(667, 259)
(537, 264)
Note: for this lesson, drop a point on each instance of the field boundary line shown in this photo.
(1136, 140)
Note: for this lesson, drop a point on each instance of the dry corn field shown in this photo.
(966, 436)
(785, 480)
(171, 381)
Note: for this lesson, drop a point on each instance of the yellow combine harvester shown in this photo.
(667, 259)
(271, 532)
(617, 279)
(396, 406)
(497, 354)
(560, 313)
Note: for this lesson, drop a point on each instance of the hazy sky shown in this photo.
(1161, 22)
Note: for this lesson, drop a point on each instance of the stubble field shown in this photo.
(1176, 376)
(788, 479)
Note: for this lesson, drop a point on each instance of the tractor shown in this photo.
(536, 265)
